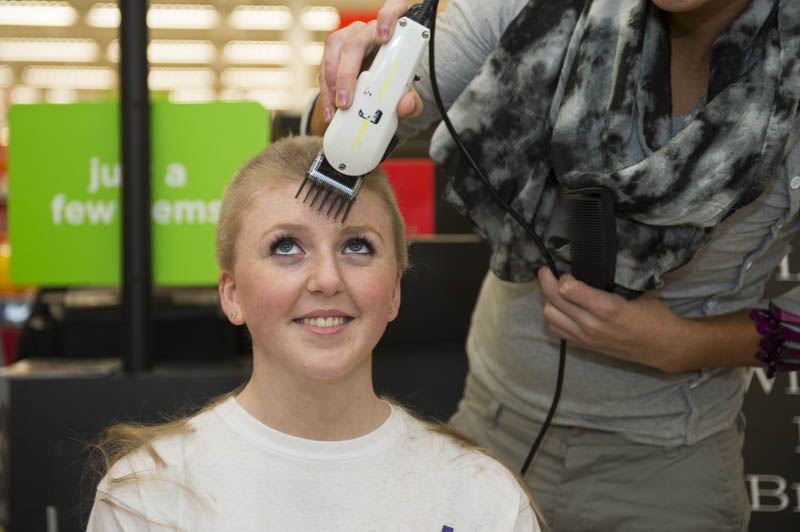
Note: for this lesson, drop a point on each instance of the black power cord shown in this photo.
(434, 4)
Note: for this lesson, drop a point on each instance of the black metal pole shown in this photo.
(135, 129)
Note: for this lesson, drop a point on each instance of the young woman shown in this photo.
(686, 111)
(306, 444)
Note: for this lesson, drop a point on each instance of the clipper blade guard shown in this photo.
(327, 185)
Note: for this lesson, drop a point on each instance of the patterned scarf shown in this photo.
(577, 94)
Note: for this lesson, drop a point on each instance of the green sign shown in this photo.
(64, 188)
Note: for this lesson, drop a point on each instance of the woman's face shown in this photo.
(315, 293)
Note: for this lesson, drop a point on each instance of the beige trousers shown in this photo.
(594, 481)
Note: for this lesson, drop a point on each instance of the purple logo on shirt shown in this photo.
(446, 528)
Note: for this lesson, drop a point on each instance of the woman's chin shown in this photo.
(331, 367)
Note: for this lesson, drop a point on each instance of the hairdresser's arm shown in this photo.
(645, 330)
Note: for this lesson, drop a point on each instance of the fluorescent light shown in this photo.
(176, 16)
(6, 76)
(200, 94)
(162, 51)
(70, 77)
(261, 18)
(28, 13)
(70, 50)
(172, 78)
(273, 99)
(320, 18)
(103, 16)
(258, 52)
(311, 52)
(256, 78)
(25, 94)
(61, 95)
(182, 16)
(171, 51)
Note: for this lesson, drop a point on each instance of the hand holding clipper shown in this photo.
(360, 137)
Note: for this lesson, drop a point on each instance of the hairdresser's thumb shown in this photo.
(410, 105)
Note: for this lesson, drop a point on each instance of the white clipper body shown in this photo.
(357, 138)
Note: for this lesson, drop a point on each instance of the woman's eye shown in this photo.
(285, 246)
(357, 246)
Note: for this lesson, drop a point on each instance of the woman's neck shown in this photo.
(316, 410)
(692, 35)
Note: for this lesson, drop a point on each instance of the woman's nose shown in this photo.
(325, 275)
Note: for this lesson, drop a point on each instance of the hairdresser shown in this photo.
(686, 111)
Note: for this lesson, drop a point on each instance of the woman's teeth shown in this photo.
(324, 322)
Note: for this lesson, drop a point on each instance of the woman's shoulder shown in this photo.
(454, 453)
(481, 485)
(145, 485)
(168, 447)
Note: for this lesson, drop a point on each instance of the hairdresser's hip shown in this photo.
(585, 479)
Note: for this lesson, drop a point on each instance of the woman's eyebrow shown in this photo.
(286, 227)
(350, 230)
(353, 230)
(289, 228)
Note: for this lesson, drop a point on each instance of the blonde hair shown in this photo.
(289, 159)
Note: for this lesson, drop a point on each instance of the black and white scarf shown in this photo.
(557, 105)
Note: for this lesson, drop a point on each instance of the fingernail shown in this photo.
(327, 114)
(342, 98)
(383, 33)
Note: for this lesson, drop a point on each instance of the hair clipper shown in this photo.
(360, 137)
(592, 233)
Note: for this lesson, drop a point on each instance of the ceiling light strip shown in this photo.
(258, 52)
(103, 16)
(51, 50)
(30, 13)
(320, 18)
(249, 17)
(182, 16)
(172, 51)
(166, 16)
(257, 78)
(174, 78)
(70, 77)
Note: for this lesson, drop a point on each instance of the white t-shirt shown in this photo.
(233, 473)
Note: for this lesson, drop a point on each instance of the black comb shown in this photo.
(592, 233)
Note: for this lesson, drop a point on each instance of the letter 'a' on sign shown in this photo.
(65, 181)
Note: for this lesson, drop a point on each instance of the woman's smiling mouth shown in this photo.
(330, 321)
(324, 321)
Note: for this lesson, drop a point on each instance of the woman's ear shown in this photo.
(395, 309)
(228, 298)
